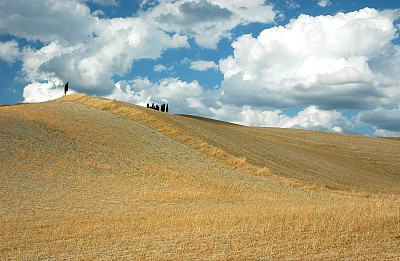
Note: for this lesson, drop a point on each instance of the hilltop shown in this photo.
(91, 178)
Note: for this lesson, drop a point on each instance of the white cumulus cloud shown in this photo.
(40, 92)
(323, 61)
(78, 46)
(88, 51)
(118, 44)
(310, 118)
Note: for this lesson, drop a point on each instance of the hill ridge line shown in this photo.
(148, 118)
(152, 119)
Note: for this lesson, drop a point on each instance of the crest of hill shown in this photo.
(300, 157)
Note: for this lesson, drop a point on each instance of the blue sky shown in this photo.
(318, 64)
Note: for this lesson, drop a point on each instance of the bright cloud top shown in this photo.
(326, 61)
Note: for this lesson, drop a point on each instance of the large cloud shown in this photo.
(322, 61)
(33, 60)
(65, 21)
(209, 20)
(77, 46)
(88, 51)
(117, 44)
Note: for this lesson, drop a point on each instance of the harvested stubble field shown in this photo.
(89, 178)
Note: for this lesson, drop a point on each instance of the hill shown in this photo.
(335, 161)
(117, 181)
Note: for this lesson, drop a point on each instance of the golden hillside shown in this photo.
(88, 178)
(335, 161)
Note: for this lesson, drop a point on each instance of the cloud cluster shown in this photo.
(209, 20)
(119, 42)
(79, 47)
(310, 118)
(88, 51)
(324, 61)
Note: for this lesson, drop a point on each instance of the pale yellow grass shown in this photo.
(82, 183)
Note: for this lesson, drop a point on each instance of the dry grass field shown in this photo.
(85, 178)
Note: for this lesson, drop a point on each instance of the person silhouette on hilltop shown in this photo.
(66, 88)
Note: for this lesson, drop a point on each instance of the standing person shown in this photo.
(66, 88)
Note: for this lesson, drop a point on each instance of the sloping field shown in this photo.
(79, 182)
(335, 161)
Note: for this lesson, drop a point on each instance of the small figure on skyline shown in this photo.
(66, 88)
